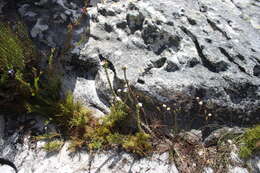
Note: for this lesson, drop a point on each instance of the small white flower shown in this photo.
(164, 105)
(229, 141)
(118, 98)
(200, 153)
(103, 63)
(10, 71)
(140, 105)
(168, 109)
(119, 90)
(100, 121)
(197, 98)
(125, 90)
(201, 103)
(142, 70)
(209, 114)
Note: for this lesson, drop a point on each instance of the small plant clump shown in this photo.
(107, 133)
(250, 142)
(138, 143)
(17, 66)
(47, 136)
(53, 146)
(12, 56)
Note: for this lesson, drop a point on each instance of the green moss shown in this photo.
(47, 136)
(103, 135)
(119, 113)
(115, 138)
(76, 143)
(98, 134)
(96, 144)
(139, 143)
(74, 113)
(53, 146)
(249, 142)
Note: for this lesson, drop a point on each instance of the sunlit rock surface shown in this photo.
(174, 50)
(183, 49)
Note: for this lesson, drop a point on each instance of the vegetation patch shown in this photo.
(250, 142)
(106, 133)
(17, 66)
(47, 136)
(33, 89)
(53, 146)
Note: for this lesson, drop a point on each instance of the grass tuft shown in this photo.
(250, 142)
(53, 146)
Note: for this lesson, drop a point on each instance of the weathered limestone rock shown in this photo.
(178, 49)
(56, 24)
(174, 50)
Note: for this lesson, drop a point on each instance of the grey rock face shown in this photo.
(183, 49)
(6, 169)
(254, 163)
(2, 4)
(216, 135)
(56, 23)
(2, 127)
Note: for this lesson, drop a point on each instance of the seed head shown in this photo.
(118, 98)
(229, 141)
(11, 71)
(119, 90)
(104, 63)
(140, 105)
(200, 153)
(124, 67)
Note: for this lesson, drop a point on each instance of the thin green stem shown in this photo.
(175, 123)
(129, 88)
(109, 82)
(138, 119)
